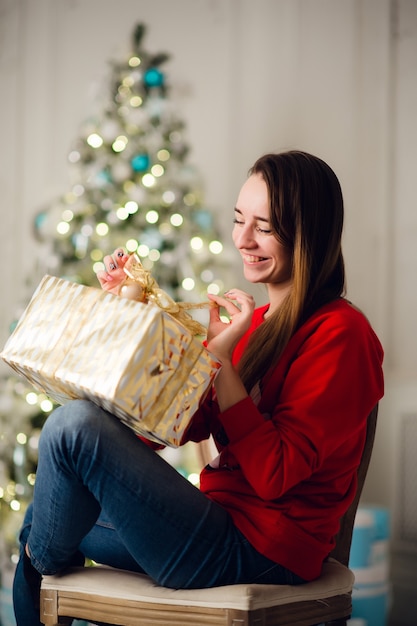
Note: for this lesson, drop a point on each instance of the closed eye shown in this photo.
(263, 231)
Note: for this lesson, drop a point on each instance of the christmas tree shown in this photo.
(132, 186)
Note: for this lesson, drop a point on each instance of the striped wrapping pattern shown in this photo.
(132, 359)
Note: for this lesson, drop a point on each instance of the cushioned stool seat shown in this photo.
(120, 597)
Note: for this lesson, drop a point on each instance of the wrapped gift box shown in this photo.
(132, 359)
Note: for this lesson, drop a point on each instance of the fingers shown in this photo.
(244, 301)
(116, 260)
(113, 274)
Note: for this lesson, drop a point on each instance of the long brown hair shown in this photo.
(306, 213)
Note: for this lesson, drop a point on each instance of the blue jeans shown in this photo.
(102, 492)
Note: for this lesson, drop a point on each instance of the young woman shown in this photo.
(287, 412)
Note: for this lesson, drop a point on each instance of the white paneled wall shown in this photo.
(249, 77)
(334, 77)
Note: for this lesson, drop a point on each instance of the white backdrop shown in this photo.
(334, 77)
(249, 77)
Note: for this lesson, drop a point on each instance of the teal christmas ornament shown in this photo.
(140, 162)
(102, 178)
(40, 220)
(203, 218)
(153, 77)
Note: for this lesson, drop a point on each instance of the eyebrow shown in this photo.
(260, 219)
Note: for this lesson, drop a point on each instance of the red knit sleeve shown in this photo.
(315, 402)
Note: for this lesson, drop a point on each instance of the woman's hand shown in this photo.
(222, 337)
(113, 276)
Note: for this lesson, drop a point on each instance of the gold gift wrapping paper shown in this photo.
(132, 359)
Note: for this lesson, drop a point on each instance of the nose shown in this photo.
(243, 237)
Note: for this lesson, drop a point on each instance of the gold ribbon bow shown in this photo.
(140, 285)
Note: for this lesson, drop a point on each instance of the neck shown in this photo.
(277, 295)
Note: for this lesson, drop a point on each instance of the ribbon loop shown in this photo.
(141, 286)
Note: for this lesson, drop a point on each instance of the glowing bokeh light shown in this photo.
(152, 216)
(134, 61)
(157, 170)
(31, 398)
(188, 284)
(143, 250)
(168, 197)
(148, 180)
(21, 438)
(67, 215)
(63, 228)
(102, 229)
(122, 213)
(215, 247)
(213, 288)
(163, 155)
(78, 190)
(46, 405)
(193, 478)
(131, 245)
(94, 140)
(176, 219)
(154, 255)
(132, 207)
(189, 199)
(196, 244)
(98, 267)
(87, 230)
(135, 101)
(120, 143)
(96, 254)
(74, 156)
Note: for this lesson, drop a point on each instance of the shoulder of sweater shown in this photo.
(340, 314)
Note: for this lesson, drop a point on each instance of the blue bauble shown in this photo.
(153, 78)
(40, 220)
(140, 162)
(102, 178)
(204, 219)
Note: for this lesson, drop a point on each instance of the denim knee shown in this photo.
(76, 416)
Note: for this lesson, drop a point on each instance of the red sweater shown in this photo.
(287, 466)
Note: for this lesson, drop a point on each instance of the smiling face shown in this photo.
(265, 259)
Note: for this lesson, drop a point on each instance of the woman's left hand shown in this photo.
(222, 337)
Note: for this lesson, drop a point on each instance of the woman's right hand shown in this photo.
(113, 275)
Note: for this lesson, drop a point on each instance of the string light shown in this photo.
(188, 284)
(120, 143)
(102, 229)
(62, 228)
(215, 247)
(122, 213)
(148, 180)
(176, 219)
(131, 245)
(134, 61)
(152, 216)
(196, 244)
(94, 140)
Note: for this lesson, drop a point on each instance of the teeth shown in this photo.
(253, 259)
